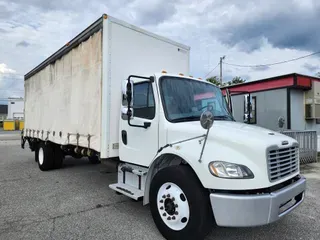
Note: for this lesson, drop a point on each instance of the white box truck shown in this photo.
(119, 94)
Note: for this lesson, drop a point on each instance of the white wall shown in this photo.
(15, 109)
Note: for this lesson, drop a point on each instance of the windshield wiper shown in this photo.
(185, 119)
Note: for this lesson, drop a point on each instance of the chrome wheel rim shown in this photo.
(41, 156)
(173, 206)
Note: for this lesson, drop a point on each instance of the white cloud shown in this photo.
(11, 84)
(4, 69)
(247, 32)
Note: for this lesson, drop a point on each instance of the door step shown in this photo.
(136, 171)
(129, 191)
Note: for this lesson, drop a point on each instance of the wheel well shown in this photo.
(159, 163)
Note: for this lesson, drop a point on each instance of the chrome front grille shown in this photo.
(282, 162)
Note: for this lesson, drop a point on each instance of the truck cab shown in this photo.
(182, 151)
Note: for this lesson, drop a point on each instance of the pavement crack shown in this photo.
(15, 179)
(88, 209)
(23, 222)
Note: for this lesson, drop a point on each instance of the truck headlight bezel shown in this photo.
(230, 170)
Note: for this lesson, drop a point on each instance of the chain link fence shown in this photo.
(308, 145)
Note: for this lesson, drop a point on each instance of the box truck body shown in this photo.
(120, 95)
(78, 89)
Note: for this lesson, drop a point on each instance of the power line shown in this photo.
(271, 64)
(211, 70)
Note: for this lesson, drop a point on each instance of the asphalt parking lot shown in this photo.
(75, 202)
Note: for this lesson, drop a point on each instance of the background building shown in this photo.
(15, 108)
(293, 97)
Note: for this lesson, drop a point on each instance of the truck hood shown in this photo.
(228, 141)
(231, 132)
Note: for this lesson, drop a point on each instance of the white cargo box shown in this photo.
(77, 90)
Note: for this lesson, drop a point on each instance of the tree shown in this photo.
(318, 74)
(214, 80)
(236, 80)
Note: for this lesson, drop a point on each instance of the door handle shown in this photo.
(124, 137)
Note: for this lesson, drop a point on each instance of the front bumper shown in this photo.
(235, 210)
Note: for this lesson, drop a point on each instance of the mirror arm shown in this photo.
(145, 125)
(182, 141)
(204, 144)
(151, 78)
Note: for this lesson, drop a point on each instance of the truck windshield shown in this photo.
(185, 99)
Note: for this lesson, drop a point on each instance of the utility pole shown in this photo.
(221, 58)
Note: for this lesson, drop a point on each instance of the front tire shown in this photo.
(45, 156)
(179, 204)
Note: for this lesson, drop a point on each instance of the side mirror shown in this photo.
(125, 114)
(206, 119)
(127, 93)
(127, 100)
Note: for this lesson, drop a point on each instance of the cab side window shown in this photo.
(143, 101)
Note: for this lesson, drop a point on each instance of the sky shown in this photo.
(247, 32)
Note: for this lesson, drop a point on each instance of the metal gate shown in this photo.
(307, 144)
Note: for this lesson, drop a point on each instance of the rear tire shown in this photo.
(94, 160)
(58, 156)
(180, 206)
(36, 152)
(45, 156)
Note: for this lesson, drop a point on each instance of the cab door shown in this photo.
(139, 141)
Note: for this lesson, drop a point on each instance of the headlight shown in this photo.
(229, 170)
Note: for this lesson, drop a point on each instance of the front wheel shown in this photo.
(179, 204)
